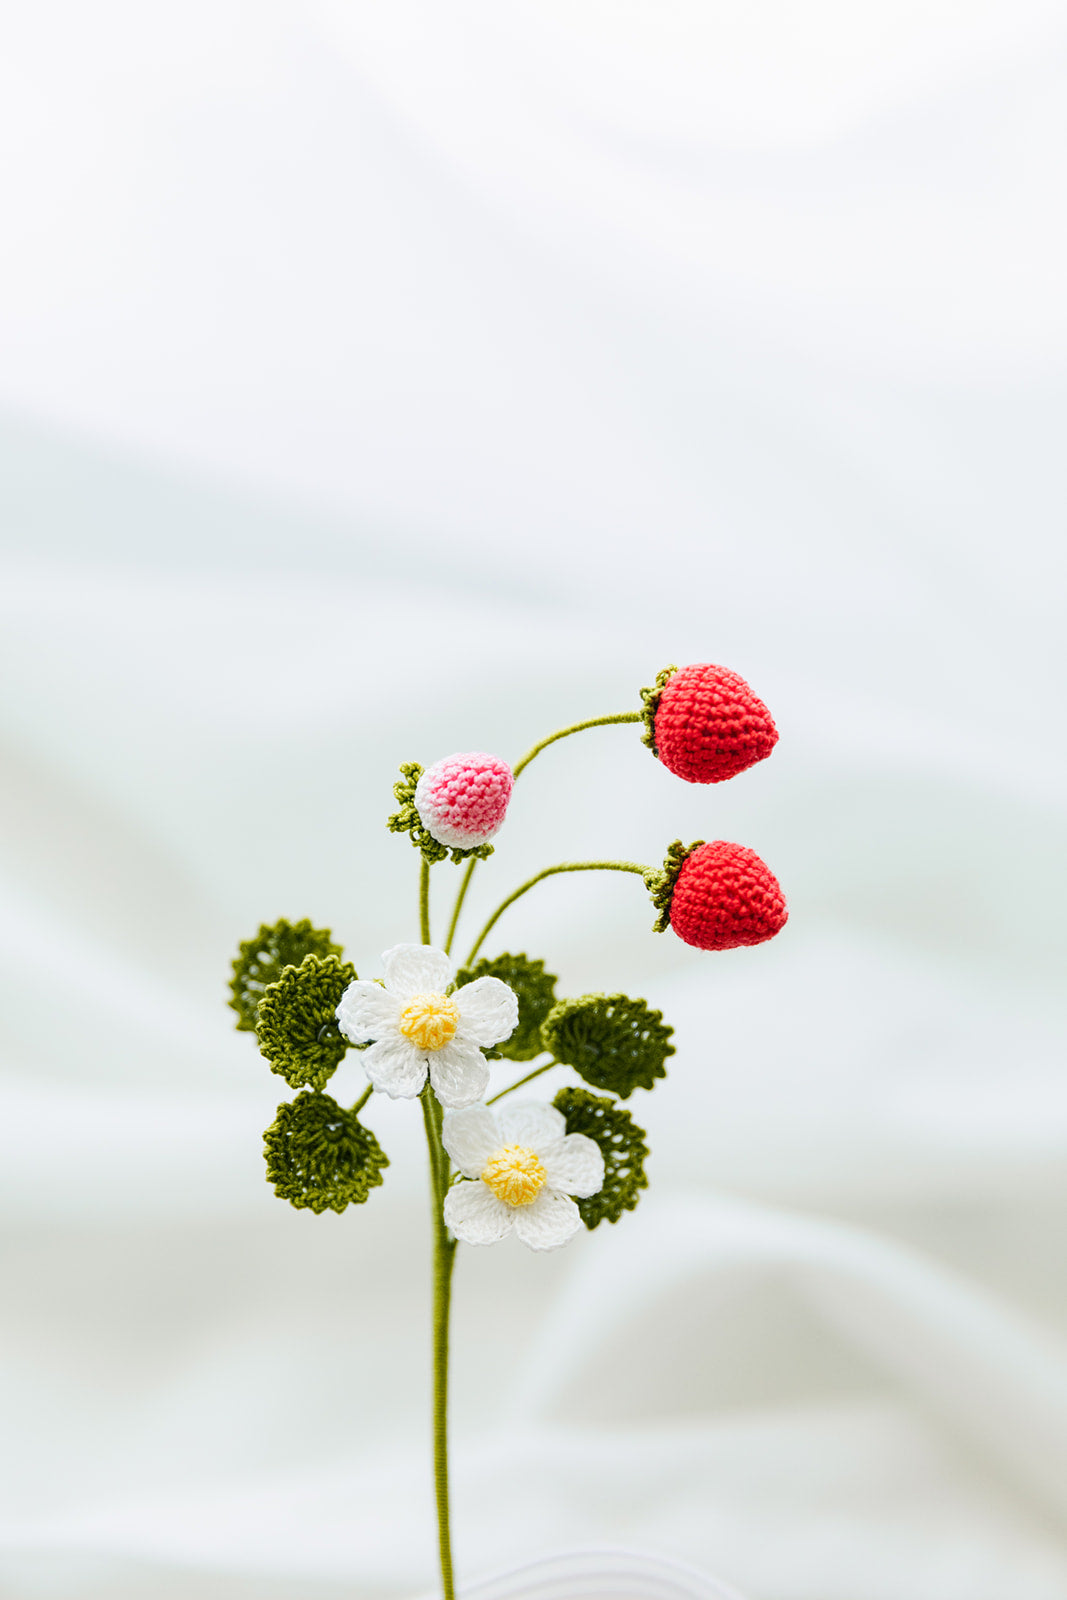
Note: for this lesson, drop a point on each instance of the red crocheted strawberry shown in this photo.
(705, 724)
(718, 896)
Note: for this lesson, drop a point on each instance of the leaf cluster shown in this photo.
(286, 986)
(262, 960)
(614, 1042)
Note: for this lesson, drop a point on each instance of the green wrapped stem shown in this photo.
(444, 1256)
(424, 900)
(576, 727)
(549, 872)
(458, 907)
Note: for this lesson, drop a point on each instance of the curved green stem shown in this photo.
(564, 866)
(362, 1101)
(536, 1073)
(458, 907)
(444, 1255)
(424, 900)
(576, 727)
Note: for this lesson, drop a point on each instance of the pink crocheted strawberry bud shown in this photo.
(462, 800)
(706, 724)
(725, 896)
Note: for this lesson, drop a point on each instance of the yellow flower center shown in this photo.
(429, 1021)
(515, 1175)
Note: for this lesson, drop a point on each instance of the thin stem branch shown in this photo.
(424, 900)
(564, 866)
(444, 1254)
(458, 907)
(536, 1073)
(362, 1101)
(576, 727)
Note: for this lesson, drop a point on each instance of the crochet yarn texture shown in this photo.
(321, 1157)
(463, 799)
(610, 1040)
(725, 896)
(407, 820)
(428, 1031)
(296, 1026)
(622, 1144)
(262, 960)
(706, 724)
(535, 990)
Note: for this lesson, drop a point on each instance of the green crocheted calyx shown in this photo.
(296, 1024)
(536, 991)
(321, 1157)
(611, 1041)
(407, 820)
(262, 960)
(651, 699)
(660, 884)
(622, 1144)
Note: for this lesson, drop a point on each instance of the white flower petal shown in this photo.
(395, 1067)
(459, 1073)
(546, 1222)
(475, 1215)
(532, 1123)
(488, 1011)
(576, 1166)
(471, 1136)
(366, 1012)
(412, 969)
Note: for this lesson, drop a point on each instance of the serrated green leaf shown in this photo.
(321, 1157)
(262, 960)
(622, 1144)
(296, 1025)
(536, 992)
(611, 1041)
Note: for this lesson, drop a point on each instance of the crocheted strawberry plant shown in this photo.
(426, 1030)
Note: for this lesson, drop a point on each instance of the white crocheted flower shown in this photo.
(523, 1166)
(416, 1027)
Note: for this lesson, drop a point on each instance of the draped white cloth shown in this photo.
(382, 381)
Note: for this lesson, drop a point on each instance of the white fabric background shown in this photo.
(382, 380)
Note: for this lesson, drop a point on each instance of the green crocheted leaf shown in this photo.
(611, 1041)
(623, 1146)
(660, 884)
(262, 960)
(320, 1156)
(296, 1023)
(536, 991)
(407, 820)
(651, 697)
